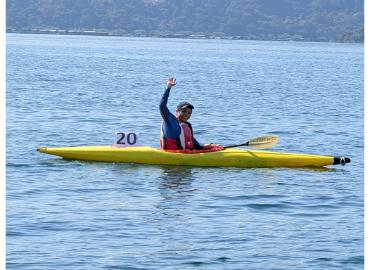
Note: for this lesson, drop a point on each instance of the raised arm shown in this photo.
(163, 104)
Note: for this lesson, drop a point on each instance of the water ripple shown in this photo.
(65, 214)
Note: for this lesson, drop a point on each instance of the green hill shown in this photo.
(310, 20)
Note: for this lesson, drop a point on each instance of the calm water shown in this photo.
(72, 90)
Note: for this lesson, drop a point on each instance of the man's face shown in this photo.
(184, 114)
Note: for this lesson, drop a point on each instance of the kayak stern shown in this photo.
(341, 160)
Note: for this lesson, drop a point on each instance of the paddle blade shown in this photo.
(263, 141)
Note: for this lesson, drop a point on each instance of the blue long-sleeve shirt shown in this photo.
(171, 129)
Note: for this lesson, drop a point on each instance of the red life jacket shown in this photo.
(186, 136)
(183, 142)
(168, 143)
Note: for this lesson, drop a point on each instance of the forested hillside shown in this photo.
(309, 20)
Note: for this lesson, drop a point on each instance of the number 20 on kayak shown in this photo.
(126, 139)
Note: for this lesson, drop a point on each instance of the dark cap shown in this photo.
(183, 105)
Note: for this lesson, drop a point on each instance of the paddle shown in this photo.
(259, 142)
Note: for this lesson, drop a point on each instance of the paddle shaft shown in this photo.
(236, 145)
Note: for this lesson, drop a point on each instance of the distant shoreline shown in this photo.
(164, 35)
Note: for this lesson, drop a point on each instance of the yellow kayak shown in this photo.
(230, 157)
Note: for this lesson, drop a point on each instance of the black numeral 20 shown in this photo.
(131, 138)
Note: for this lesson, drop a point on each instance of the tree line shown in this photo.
(309, 20)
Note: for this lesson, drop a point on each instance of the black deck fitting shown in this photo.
(341, 160)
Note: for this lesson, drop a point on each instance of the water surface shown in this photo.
(75, 90)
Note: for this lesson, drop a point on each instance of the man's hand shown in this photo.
(171, 82)
(211, 145)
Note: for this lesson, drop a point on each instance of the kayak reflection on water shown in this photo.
(176, 179)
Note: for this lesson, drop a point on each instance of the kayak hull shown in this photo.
(225, 158)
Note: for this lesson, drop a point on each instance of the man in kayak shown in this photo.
(176, 131)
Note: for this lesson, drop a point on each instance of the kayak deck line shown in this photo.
(231, 157)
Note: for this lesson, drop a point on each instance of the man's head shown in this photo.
(184, 111)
